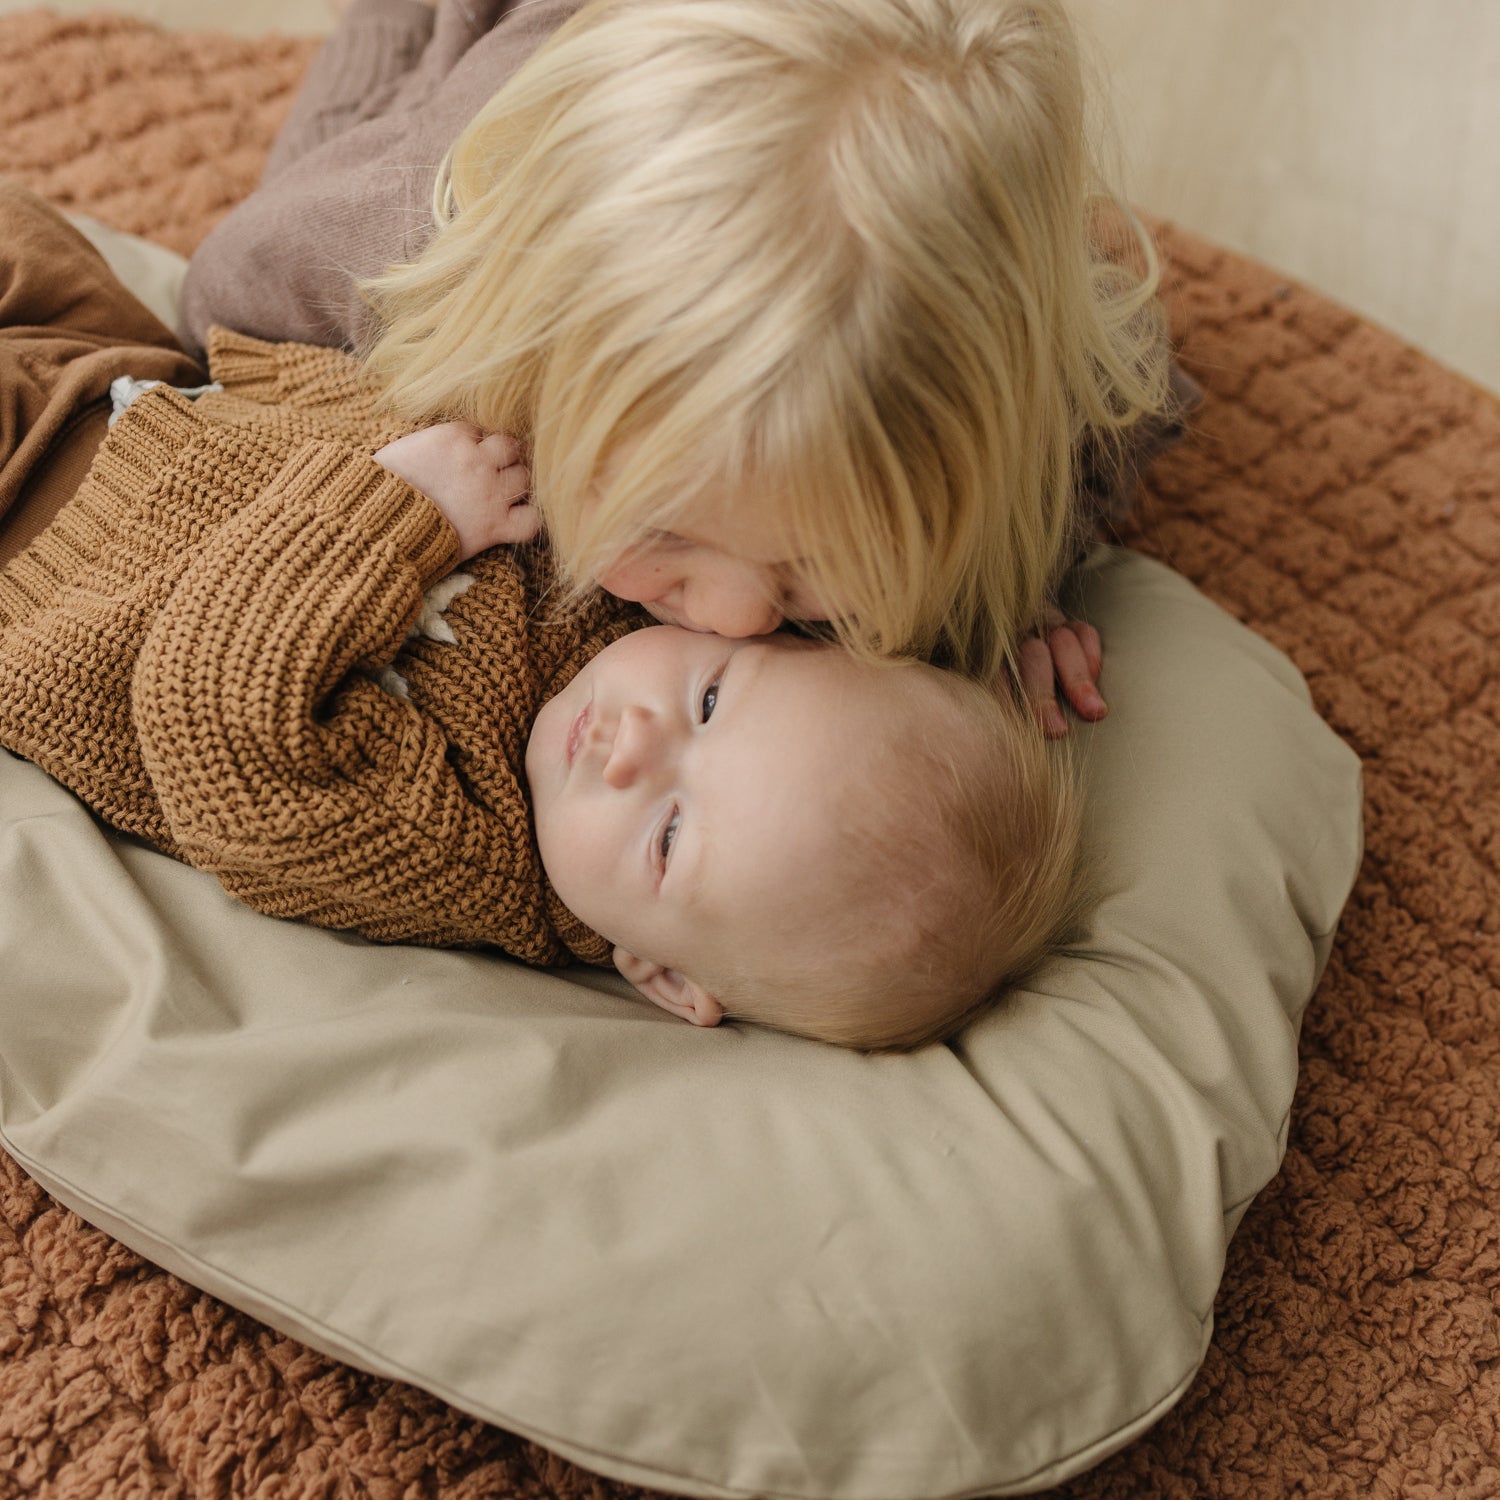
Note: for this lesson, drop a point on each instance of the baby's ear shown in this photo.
(670, 990)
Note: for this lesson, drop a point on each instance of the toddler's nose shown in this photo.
(749, 617)
(736, 601)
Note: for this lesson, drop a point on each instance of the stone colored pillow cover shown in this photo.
(722, 1262)
(154, 273)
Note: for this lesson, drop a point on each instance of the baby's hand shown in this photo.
(476, 479)
(1065, 651)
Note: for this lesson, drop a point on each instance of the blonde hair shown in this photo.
(844, 258)
(960, 872)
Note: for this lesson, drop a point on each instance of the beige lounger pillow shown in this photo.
(722, 1262)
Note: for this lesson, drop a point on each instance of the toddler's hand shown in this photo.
(1065, 651)
(476, 479)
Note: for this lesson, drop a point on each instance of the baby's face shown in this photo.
(684, 789)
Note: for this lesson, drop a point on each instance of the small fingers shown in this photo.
(1076, 661)
(513, 481)
(500, 448)
(521, 522)
(1093, 648)
(1037, 685)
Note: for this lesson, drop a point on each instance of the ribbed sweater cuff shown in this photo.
(249, 367)
(413, 14)
(88, 529)
(142, 446)
(377, 40)
(372, 502)
(375, 43)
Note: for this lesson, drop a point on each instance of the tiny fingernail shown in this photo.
(1053, 722)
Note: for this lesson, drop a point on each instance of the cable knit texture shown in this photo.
(1340, 494)
(158, 133)
(192, 645)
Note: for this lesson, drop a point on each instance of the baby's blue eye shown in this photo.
(669, 835)
(710, 701)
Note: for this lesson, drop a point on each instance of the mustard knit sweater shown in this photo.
(192, 648)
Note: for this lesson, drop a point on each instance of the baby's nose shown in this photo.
(633, 750)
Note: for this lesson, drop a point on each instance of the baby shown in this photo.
(210, 646)
(773, 829)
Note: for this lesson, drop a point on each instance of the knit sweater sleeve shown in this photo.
(309, 790)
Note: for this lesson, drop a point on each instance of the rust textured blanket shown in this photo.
(156, 133)
(1342, 495)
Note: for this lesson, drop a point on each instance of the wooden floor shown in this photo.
(1353, 144)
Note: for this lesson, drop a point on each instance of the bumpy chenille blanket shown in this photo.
(1341, 494)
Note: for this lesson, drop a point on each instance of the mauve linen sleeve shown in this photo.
(286, 263)
(376, 45)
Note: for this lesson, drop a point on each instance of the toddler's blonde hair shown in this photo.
(838, 259)
(959, 873)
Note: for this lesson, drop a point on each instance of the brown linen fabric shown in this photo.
(1339, 493)
(69, 330)
(154, 133)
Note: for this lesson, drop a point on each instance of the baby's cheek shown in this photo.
(582, 890)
